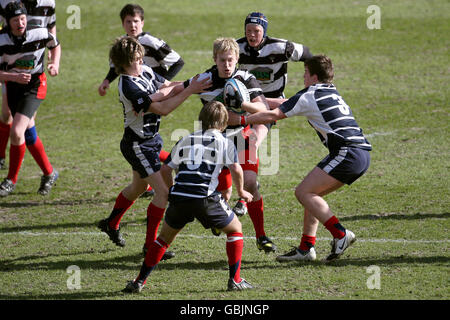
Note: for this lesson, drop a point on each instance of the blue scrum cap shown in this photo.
(257, 18)
(14, 9)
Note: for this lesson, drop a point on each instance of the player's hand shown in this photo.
(103, 87)
(246, 196)
(233, 100)
(53, 69)
(22, 78)
(198, 86)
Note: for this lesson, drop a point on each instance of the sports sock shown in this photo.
(4, 137)
(234, 246)
(16, 155)
(307, 242)
(38, 152)
(154, 216)
(256, 213)
(336, 229)
(120, 207)
(154, 254)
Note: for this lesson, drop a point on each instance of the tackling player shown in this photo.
(198, 159)
(247, 139)
(347, 160)
(158, 55)
(145, 96)
(22, 53)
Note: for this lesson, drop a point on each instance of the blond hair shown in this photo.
(225, 44)
(124, 52)
(214, 115)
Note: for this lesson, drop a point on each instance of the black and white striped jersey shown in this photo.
(40, 13)
(134, 93)
(158, 55)
(25, 54)
(328, 114)
(215, 92)
(268, 63)
(199, 157)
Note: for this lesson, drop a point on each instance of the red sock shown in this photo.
(163, 155)
(4, 136)
(307, 242)
(336, 229)
(120, 207)
(149, 188)
(256, 213)
(16, 155)
(154, 254)
(39, 155)
(235, 245)
(154, 216)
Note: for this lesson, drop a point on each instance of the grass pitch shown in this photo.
(396, 81)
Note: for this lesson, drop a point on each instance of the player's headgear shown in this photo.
(14, 9)
(257, 18)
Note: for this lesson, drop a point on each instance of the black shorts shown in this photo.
(25, 99)
(143, 155)
(212, 211)
(346, 164)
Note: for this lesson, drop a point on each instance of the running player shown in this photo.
(22, 59)
(158, 55)
(198, 159)
(40, 14)
(247, 140)
(266, 57)
(348, 157)
(145, 96)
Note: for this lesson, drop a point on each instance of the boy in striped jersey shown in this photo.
(348, 157)
(266, 57)
(145, 96)
(158, 55)
(22, 55)
(247, 139)
(40, 14)
(198, 159)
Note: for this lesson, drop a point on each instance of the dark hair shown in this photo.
(124, 52)
(132, 10)
(214, 115)
(321, 66)
(14, 9)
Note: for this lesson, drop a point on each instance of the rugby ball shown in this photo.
(234, 93)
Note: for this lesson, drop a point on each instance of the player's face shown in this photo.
(18, 25)
(309, 79)
(254, 34)
(133, 25)
(226, 63)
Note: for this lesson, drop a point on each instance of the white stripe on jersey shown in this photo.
(31, 61)
(337, 160)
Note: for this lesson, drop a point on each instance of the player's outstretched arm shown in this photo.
(165, 107)
(53, 65)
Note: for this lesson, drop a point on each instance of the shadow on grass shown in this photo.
(397, 216)
(57, 202)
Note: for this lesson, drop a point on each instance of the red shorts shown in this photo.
(249, 162)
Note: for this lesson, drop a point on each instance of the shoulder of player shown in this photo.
(38, 34)
(46, 3)
(146, 39)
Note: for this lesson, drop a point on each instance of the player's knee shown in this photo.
(300, 194)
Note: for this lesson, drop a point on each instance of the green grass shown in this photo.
(396, 81)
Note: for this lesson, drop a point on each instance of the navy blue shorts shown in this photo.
(212, 211)
(143, 156)
(346, 164)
